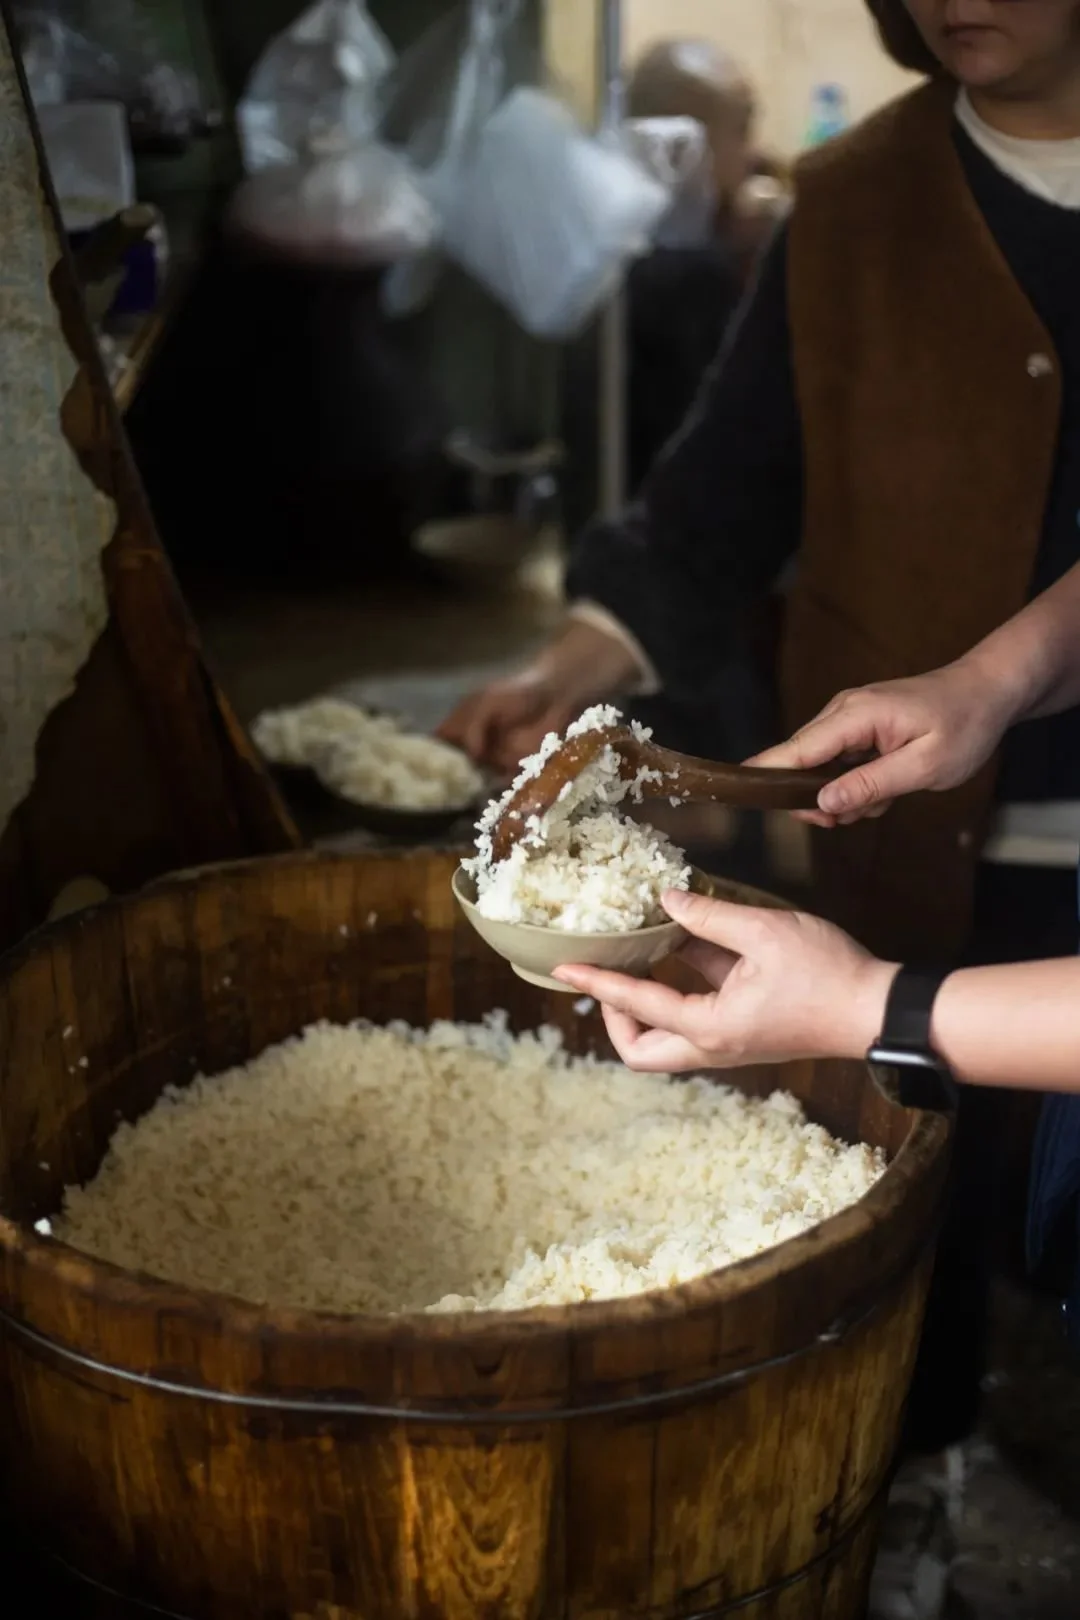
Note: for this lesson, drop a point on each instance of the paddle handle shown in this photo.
(746, 787)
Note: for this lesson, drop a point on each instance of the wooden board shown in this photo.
(121, 758)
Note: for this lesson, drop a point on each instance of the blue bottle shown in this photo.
(828, 113)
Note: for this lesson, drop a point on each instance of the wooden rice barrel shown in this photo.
(719, 1449)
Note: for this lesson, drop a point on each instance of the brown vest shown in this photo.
(929, 441)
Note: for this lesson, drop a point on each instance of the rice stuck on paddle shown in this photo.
(583, 867)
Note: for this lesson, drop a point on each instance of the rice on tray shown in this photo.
(455, 1169)
(583, 867)
(368, 758)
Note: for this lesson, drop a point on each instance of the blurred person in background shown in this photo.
(896, 411)
(681, 296)
(680, 300)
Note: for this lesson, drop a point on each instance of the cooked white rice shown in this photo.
(298, 735)
(367, 758)
(583, 867)
(387, 1170)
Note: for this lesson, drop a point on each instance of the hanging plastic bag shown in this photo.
(320, 186)
(546, 217)
(675, 151)
(46, 58)
(444, 91)
(356, 207)
(116, 58)
(317, 81)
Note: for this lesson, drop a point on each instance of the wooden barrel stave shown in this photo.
(583, 1463)
(479, 1509)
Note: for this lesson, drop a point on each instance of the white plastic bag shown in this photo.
(320, 187)
(316, 82)
(545, 216)
(117, 59)
(542, 214)
(458, 84)
(353, 208)
(675, 151)
(46, 59)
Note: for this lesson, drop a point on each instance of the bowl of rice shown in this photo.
(400, 783)
(585, 882)
(535, 951)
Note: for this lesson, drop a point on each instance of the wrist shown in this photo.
(587, 664)
(1008, 685)
(864, 1001)
(951, 994)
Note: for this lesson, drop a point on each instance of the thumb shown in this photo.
(826, 738)
(877, 783)
(727, 923)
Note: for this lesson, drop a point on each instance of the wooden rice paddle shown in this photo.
(671, 776)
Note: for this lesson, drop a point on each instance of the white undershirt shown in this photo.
(1049, 169)
(1022, 834)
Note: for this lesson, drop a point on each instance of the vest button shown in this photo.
(966, 839)
(1039, 365)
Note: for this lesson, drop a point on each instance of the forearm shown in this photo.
(645, 681)
(589, 664)
(1032, 663)
(1016, 1025)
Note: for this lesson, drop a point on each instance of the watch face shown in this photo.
(912, 1079)
(904, 1057)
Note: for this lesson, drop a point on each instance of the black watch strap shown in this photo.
(903, 1060)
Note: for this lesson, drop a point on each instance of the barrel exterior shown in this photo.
(721, 1448)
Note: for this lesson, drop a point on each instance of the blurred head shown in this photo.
(1012, 48)
(693, 78)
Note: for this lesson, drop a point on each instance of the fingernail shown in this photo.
(674, 898)
(833, 800)
(569, 975)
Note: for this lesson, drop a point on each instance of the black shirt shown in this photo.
(679, 303)
(721, 515)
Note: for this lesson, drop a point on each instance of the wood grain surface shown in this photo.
(720, 1448)
(123, 758)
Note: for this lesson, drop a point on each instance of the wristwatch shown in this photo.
(902, 1060)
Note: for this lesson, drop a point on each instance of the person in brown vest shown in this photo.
(896, 412)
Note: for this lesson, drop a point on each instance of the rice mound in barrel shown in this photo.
(462, 1168)
(583, 867)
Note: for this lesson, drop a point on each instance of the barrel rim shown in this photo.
(48, 1260)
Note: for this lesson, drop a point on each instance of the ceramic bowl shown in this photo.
(534, 953)
(328, 812)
